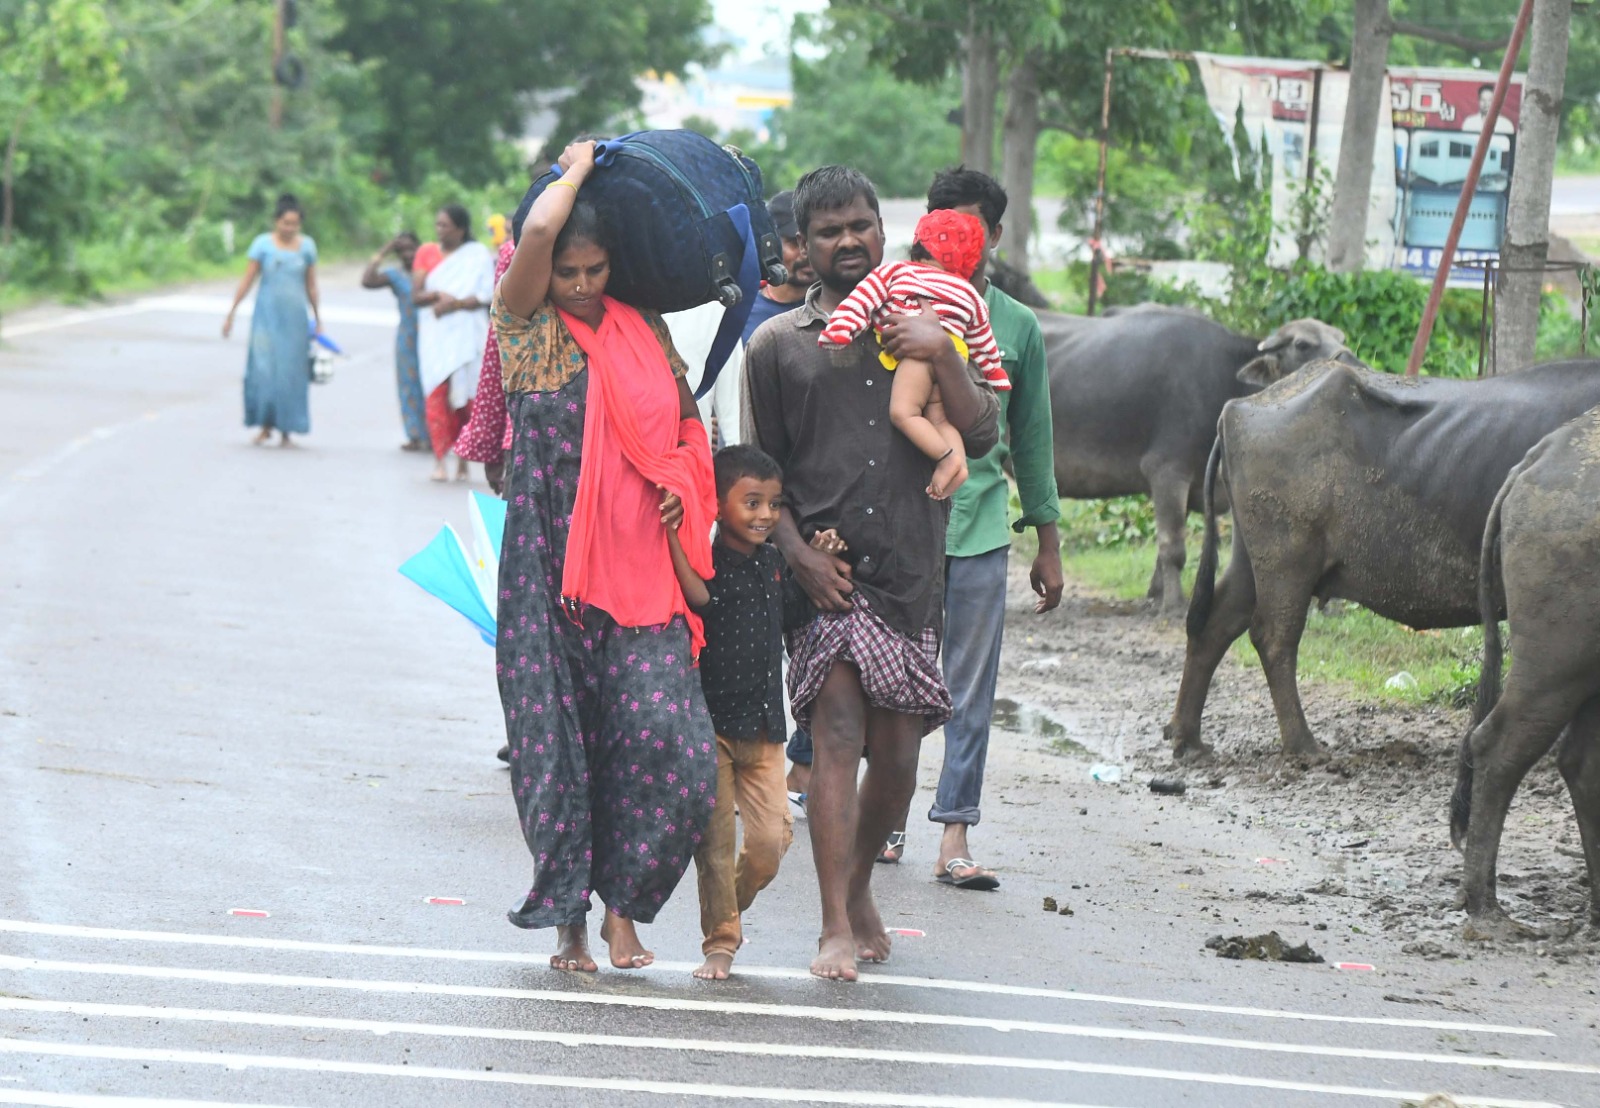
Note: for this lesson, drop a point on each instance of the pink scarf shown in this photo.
(634, 444)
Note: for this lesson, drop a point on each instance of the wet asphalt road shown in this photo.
(216, 693)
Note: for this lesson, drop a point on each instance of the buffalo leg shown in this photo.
(1516, 734)
(1231, 608)
(1169, 494)
(1280, 619)
(1579, 759)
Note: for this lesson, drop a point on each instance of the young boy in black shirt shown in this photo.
(746, 606)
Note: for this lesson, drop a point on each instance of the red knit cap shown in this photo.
(954, 238)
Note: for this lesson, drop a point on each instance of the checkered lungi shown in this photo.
(897, 673)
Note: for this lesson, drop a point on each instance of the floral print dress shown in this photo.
(613, 758)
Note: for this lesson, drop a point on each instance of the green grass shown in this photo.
(1345, 645)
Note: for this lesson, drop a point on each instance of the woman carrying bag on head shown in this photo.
(277, 374)
(613, 758)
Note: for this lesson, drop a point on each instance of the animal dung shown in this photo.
(1262, 948)
(1049, 904)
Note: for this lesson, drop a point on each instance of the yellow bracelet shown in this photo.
(564, 181)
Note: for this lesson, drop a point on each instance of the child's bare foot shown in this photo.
(572, 952)
(716, 967)
(627, 952)
(948, 476)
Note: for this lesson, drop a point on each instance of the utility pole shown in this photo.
(275, 112)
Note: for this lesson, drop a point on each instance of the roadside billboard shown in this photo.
(1426, 135)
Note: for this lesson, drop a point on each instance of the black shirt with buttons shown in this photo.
(753, 601)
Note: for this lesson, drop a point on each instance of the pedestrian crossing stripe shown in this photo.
(868, 978)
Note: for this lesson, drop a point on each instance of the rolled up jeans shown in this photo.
(974, 623)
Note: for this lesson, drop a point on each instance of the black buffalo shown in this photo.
(1541, 549)
(1135, 396)
(1349, 483)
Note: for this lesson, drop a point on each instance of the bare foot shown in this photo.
(461, 470)
(572, 953)
(948, 476)
(871, 937)
(439, 473)
(627, 952)
(716, 968)
(284, 440)
(836, 959)
(261, 439)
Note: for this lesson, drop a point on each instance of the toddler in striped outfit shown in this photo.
(946, 251)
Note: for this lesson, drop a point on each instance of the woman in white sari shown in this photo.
(451, 331)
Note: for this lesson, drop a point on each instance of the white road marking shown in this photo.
(680, 1004)
(189, 304)
(771, 972)
(83, 1100)
(674, 1088)
(556, 1081)
(775, 1050)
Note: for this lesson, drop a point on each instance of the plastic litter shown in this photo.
(1353, 966)
(1402, 681)
(454, 900)
(1168, 786)
(1105, 773)
(249, 913)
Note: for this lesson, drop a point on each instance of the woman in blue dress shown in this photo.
(277, 376)
(408, 380)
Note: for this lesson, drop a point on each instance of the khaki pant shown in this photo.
(749, 776)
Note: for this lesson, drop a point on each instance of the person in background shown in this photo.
(451, 331)
(613, 756)
(865, 669)
(978, 545)
(277, 374)
(775, 300)
(499, 231)
(487, 435)
(408, 383)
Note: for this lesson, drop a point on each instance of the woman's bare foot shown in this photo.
(716, 967)
(461, 469)
(627, 952)
(871, 937)
(572, 955)
(284, 440)
(263, 437)
(439, 473)
(836, 958)
(948, 476)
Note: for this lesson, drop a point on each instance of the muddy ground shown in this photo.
(1354, 855)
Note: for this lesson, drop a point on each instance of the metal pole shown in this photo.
(1425, 330)
(275, 112)
(1098, 245)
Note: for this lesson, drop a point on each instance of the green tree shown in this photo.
(56, 59)
(848, 111)
(453, 75)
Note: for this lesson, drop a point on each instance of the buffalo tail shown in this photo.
(1489, 589)
(1205, 581)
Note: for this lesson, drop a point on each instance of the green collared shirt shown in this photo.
(980, 508)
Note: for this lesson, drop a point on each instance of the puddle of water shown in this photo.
(1036, 722)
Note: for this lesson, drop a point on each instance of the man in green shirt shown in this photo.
(979, 541)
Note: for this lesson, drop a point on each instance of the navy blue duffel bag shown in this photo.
(690, 224)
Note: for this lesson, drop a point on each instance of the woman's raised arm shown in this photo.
(527, 282)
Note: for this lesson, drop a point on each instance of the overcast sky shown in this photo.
(763, 25)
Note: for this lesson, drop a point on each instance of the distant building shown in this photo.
(733, 98)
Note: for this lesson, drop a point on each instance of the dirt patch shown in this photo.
(1364, 839)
